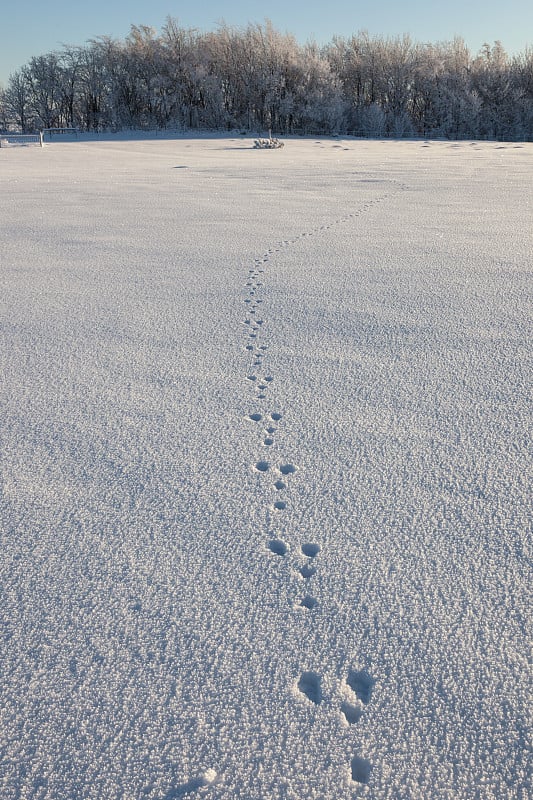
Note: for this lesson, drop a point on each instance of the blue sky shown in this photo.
(33, 27)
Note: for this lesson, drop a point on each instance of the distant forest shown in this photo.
(256, 79)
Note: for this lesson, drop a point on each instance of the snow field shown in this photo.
(265, 456)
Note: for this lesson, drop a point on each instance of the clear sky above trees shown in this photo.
(34, 27)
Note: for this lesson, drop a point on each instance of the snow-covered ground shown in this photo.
(265, 503)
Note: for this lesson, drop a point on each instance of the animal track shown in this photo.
(310, 685)
(352, 713)
(360, 769)
(361, 684)
(278, 547)
(286, 469)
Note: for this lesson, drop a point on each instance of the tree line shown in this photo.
(258, 79)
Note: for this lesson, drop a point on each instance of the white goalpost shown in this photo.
(58, 132)
(21, 139)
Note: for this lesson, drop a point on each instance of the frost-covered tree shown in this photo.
(442, 102)
(398, 63)
(92, 100)
(16, 102)
(44, 77)
(181, 56)
(255, 78)
(70, 62)
(521, 72)
(318, 100)
(491, 80)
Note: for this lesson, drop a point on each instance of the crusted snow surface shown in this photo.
(265, 501)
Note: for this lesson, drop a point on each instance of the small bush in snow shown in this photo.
(267, 144)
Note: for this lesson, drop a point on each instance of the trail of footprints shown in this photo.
(357, 687)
